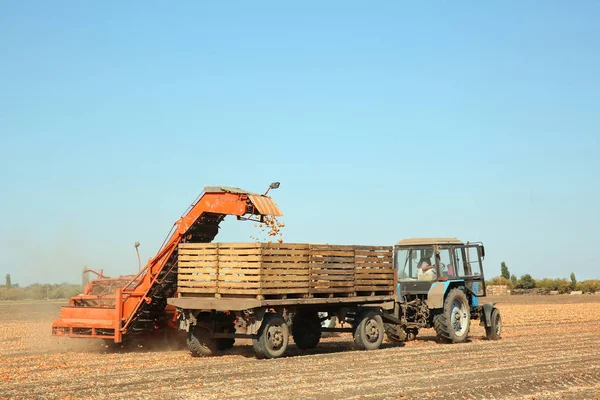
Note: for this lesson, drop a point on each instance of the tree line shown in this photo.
(526, 281)
(37, 291)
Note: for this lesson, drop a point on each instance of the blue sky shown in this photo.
(471, 119)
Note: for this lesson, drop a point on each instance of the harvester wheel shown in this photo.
(368, 333)
(272, 338)
(452, 325)
(494, 331)
(306, 330)
(200, 342)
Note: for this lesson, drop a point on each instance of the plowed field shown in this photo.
(550, 350)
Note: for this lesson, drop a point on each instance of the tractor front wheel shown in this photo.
(453, 324)
(494, 331)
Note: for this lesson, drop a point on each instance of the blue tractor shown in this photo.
(440, 281)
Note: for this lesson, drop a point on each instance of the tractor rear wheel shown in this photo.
(494, 331)
(200, 342)
(368, 333)
(306, 330)
(272, 338)
(452, 325)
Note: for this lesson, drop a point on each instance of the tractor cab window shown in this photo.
(469, 265)
(416, 264)
(447, 267)
(403, 264)
(473, 262)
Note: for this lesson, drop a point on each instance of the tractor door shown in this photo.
(469, 267)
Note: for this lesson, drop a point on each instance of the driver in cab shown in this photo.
(426, 271)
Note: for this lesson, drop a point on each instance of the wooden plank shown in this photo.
(239, 278)
(195, 269)
(233, 271)
(224, 245)
(278, 246)
(192, 252)
(269, 285)
(199, 264)
(331, 266)
(239, 252)
(324, 277)
(284, 291)
(239, 291)
(363, 248)
(197, 290)
(292, 268)
(239, 285)
(374, 265)
(285, 252)
(374, 288)
(285, 258)
(197, 245)
(323, 253)
(331, 247)
(196, 284)
(329, 271)
(332, 290)
(284, 278)
(282, 271)
(375, 282)
(332, 259)
(325, 283)
(228, 258)
(372, 259)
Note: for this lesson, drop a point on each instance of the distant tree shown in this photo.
(504, 271)
(513, 279)
(573, 281)
(527, 282)
(8, 282)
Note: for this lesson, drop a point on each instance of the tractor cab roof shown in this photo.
(428, 241)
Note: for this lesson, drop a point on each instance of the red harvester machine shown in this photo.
(138, 305)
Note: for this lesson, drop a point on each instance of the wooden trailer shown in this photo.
(260, 290)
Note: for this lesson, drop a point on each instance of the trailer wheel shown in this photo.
(452, 325)
(395, 333)
(494, 331)
(227, 325)
(200, 342)
(272, 338)
(306, 330)
(368, 333)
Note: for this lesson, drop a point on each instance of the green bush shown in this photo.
(500, 280)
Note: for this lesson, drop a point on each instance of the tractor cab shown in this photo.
(439, 283)
(422, 264)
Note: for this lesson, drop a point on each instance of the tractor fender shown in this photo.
(487, 313)
(437, 293)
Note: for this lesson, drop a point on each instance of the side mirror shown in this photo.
(481, 251)
(274, 185)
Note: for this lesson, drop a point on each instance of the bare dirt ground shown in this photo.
(550, 350)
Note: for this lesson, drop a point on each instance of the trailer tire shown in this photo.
(200, 343)
(494, 331)
(272, 338)
(227, 325)
(454, 322)
(394, 333)
(368, 333)
(306, 330)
